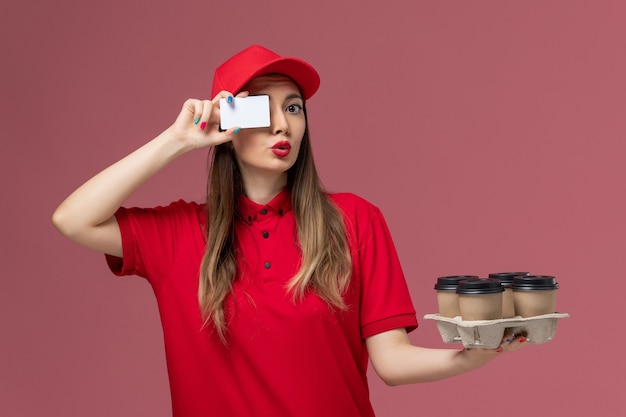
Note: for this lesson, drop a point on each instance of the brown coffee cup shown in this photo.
(480, 299)
(506, 280)
(447, 298)
(534, 295)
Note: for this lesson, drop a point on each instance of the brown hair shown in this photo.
(326, 262)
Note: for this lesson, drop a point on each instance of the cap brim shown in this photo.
(302, 73)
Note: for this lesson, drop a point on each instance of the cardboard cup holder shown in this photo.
(488, 334)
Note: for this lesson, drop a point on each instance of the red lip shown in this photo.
(282, 145)
(281, 149)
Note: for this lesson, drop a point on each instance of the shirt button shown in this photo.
(266, 235)
(263, 211)
(280, 212)
(249, 218)
(267, 265)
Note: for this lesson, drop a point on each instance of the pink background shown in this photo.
(491, 134)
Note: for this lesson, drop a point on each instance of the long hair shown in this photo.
(326, 262)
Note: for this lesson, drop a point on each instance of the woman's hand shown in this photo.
(479, 357)
(197, 124)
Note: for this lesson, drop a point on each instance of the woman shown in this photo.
(274, 294)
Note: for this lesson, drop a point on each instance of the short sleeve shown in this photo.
(385, 301)
(153, 238)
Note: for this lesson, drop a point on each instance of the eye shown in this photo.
(294, 108)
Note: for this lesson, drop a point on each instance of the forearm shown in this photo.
(87, 215)
(97, 200)
(398, 362)
(413, 364)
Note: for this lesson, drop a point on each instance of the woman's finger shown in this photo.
(223, 94)
(511, 343)
(204, 119)
(225, 136)
(215, 113)
(191, 111)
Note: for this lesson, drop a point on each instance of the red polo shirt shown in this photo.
(283, 358)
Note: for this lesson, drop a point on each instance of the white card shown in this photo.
(245, 112)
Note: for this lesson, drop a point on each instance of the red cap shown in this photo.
(255, 61)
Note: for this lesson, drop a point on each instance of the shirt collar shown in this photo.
(279, 205)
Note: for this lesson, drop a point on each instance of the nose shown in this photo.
(278, 121)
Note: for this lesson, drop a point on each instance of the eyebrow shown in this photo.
(289, 97)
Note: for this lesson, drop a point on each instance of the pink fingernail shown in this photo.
(202, 125)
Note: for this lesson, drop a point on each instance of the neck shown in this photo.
(262, 189)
